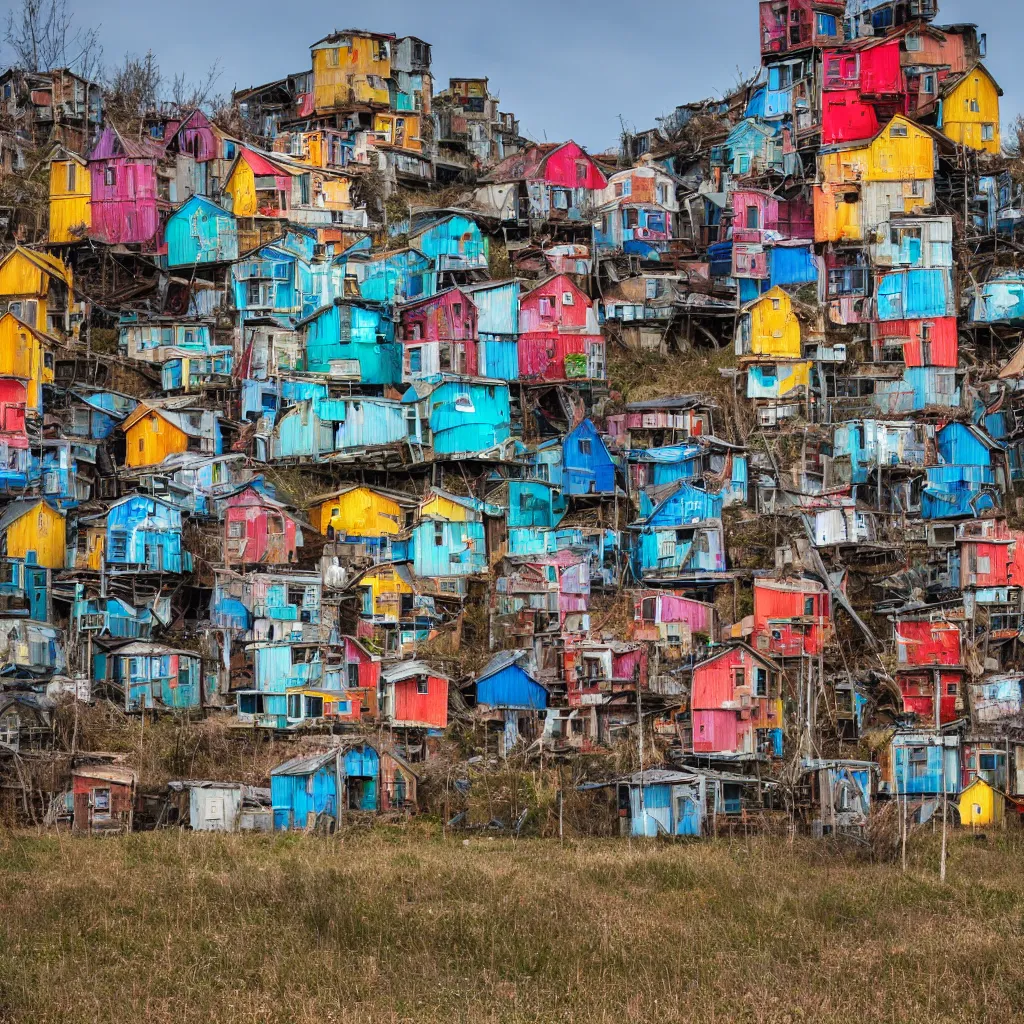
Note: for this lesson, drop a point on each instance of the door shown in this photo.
(687, 812)
(35, 587)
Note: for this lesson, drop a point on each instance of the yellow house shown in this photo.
(360, 511)
(38, 289)
(151, 435)
(400, 129)
(32, 527)
(383, 588)
(26, 353)
(981, 805)
(970, 111)
(351, 68)
(901, 151)
(70, 191)
(769, 328)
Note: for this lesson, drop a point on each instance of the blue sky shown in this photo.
(568, 69)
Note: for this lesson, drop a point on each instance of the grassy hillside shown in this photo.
(182, 927)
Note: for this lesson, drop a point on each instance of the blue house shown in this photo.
(497, 304)
(304, 791)
(155, 676)
(533, 504)
(915, 295)
(143, 534)
(111, 617)
(267, 284)
(442, 549)
(924, 766)
(353, 341)
(587, 468)
(680, 534)
(96, 414)
(391, 277)
(462, 415)
(362, 779)
(753, 146)
(323, 426)
(505, 684)
(200, 232)
(451, 241)
(666, 802)
(999, 299)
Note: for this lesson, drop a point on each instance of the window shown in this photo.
(776, 303)
(71, 176)
(332, 57)
(422, 685)
(101, 801)
(314, 707)
(808, 606)
(567, 298)
(826, 25)
(463, 403)
(898, 131)
(928, 85)
(236, 528)
(581, 172)
(353, 676)
(585, 446)
(738, 678)
(987, 762)
(753, 218)
(952, 689)
(294, 705)
(917, 189)
(913, 42)
(109, 176)
(988, 132)
(974, 106)
(438, 534)
(415, 360)
(761, 682)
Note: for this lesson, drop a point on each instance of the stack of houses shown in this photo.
(284, 436)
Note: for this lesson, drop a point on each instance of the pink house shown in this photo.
(555, 180)
(736, 704)
(258, 530)
(125, 204)
(439, 335)
(559, 337)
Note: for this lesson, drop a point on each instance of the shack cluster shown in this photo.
(316, 418)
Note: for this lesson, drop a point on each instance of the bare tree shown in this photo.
(132, 90)
(188, 95)
(42, 35)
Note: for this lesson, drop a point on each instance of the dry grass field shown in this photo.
(179, 927)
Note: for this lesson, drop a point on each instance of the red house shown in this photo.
(104, 799)
(923, 342)
(791, 25)
(594, 668)
(439, 335)
(930, 663)
(736, 704)
(559, 336)
(259, 531)
(124, 198)
(13, 403)
(362, 676)
(415, 696)
(791, 619)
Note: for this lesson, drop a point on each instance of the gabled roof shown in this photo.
(50, 265)
(398, 497)
(734, 645)
(307, 765)
(952, 84)
(427, 299)
(16, 509)
(502, 660)
(408, 669)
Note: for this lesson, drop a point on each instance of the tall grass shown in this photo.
(182, 927)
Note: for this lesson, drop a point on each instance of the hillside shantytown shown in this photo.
(347, 421)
